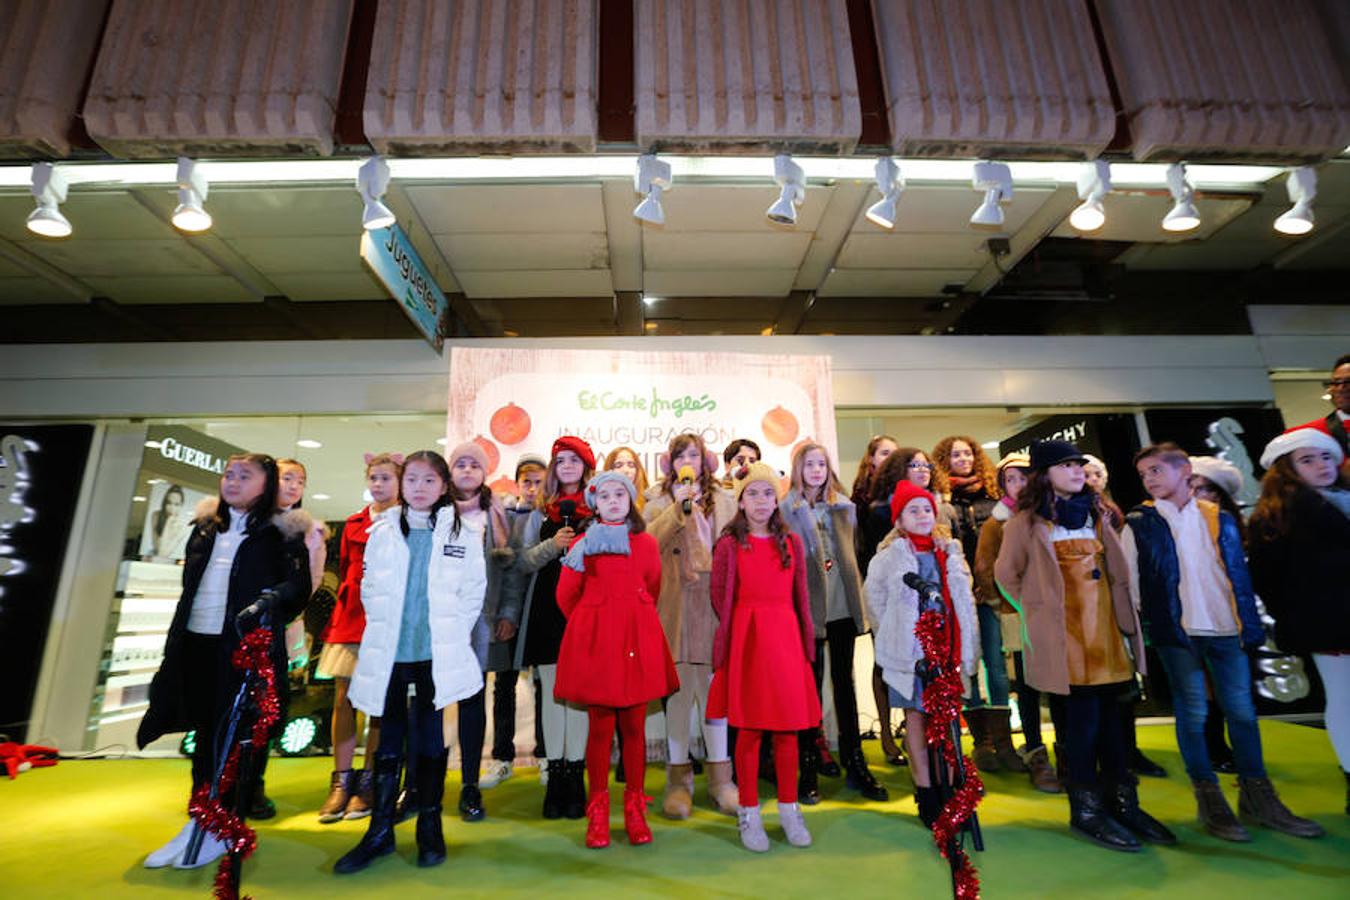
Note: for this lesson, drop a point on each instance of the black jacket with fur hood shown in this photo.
(272, 555)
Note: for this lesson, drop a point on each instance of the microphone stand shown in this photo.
(948, 779)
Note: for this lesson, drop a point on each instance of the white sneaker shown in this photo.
(794, 826)
(172, 850)
(497, 771)
(752, 829)
(213, 848)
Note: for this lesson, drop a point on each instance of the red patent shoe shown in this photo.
(597, 820)
(635, 818)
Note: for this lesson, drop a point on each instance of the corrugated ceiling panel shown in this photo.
(39, 100)
(993, 78)
(219, 77)
(1229, 79)
(748, 75)
(483, 76)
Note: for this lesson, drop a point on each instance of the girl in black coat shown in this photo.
(1299, 539)
(239, 548)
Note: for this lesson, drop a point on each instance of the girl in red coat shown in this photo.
(762, 655)
(614, 659)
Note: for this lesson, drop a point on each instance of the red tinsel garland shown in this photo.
(942, 704)
(252, 655)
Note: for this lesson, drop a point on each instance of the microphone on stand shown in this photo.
(686, 477)
(930, 594)
(568, 510)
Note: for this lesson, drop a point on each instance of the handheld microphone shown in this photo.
(686, 477)
(568, 510)
(267, 602)
(930, 594)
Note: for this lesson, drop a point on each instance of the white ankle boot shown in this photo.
(752, 829)
(794, 826)
(171, 851)
(212, 849)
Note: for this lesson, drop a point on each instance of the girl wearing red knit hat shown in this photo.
(916, 545)
(548, 532)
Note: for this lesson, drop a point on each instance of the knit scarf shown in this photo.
(554, 512)
(951, 628)
(601, 537)
(971, 484)
(1069, 512)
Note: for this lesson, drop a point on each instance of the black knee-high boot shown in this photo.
(430, 790)
(379, 837)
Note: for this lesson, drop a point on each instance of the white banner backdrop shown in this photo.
(517, 401)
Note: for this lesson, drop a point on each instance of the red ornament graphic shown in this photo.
(779, 426)
(510, 424)
(494, 456)
(505, 485)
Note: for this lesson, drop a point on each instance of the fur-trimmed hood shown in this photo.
(293, 524)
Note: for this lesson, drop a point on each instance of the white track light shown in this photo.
(652, 178)
(190, 214)
(792, 181)
(995, 179)
(1183, 216)
(1302, 186)
(372, 180)
(1094, 183)
(889, 183)
(49, 189)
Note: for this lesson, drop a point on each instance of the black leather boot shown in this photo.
(555, 792)
(430, 791)
(808, 769)
(1124, 803)
(1088, 816)
(929, 801)
(860, 778)
(379, 837)
(260, 806)
(574, 801)
(407, 805)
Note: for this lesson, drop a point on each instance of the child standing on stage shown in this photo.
(547, 533)
(425, 578)
(239, 547)
(916, 546)
(1062, 565)
(824, 518)
(1189, 576)
(763, 650)
(350, 793)
(685, 513)
(614, 659)
(478, 515)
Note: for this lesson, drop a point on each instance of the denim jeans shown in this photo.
(991, 651)
(1231, 673)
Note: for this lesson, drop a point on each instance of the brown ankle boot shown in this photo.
(999, 723)
(336, 805)
(1258, 802)
(722, 787)
(1042, 773)
(983, 754)
(679, 799)
(1215, 815)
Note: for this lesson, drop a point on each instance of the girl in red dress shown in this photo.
(763, 651)
(614, 658)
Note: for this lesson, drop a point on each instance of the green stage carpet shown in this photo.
(83, 828)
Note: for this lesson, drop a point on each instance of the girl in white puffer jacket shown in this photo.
(423, 588)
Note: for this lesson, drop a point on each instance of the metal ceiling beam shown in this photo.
(49, 273)
(629, 314)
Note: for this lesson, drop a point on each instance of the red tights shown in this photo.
(632, 726)
(747, 764)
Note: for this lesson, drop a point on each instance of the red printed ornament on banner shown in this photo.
(494, 456)
(505, 485)
(797, 447)
(779, 426)
(510, 424)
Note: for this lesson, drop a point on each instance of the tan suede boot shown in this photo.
(679, 799)
(722, 788)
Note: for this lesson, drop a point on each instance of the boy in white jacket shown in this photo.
(913, 547)
(423, 588)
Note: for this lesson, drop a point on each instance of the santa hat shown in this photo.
(906, 491)
(593, 486)
(1220, 471)
(577, 446)
(756, 471)
(1300, 439)
(472, 450)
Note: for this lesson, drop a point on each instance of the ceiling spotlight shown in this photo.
(372, 180)
(995, 179)
(308, 444)
(1183, 215)
(890, 183)
(792, 180)
(653, 177)
(49, 189)
(190, 214)
(1302, 186)
(1094, 183)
